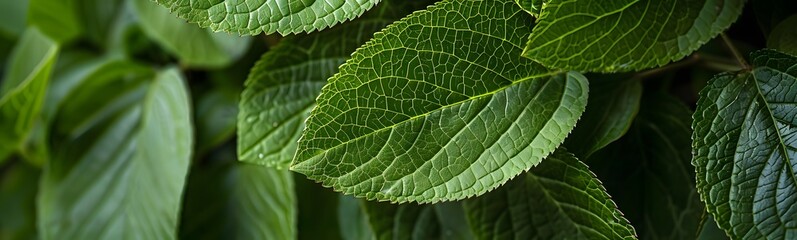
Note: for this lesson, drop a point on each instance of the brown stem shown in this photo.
(735, 52)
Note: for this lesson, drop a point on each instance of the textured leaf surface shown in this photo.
(255, 16)
(192, 45)
(410, 118)
(744, 148)
(119, 166)
(784, 36)
(282, 87)
(24, 88)
(625, 35)
(647, 172)
(609, 114)
(534, 7)
(559, 199)
(232, 200)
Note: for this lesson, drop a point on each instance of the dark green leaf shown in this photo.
(319, 211)
(252, 17)
(283, 85)
(744, 148)
(625, 35)
(402, 221)
(56, 18)
(784, 36)
(353, 220)
(24, 88)
(121, 154)
(647, 172)
(771, 12)
(559, 199)
(232, 200)
(411, 118)
(18, 185)
(711, 231)
(192, 45)
(611, 109)
(534, 7)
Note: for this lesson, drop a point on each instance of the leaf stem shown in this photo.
(735, 52)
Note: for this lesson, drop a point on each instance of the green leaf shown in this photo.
(710, 231)
(252, 17)
(610, 112)
(18, 185)
(194, 46)
(413, 221)
(24, 88)
(533, 7)
(771, 12)
(232, 200)
(353, 220)
(121, 153)
(56, 19)
(12, 18)
(784, 37)
(282, 87)
(410, 118)
(655, 187)
(215, 117)
(319, 211)
(559, 199)
(743, 148)
(625, 35)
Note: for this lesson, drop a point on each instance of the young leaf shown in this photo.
(24, 88)
(252, 17)
(625, 35)
(411, 118)
(282, 87)
(194, 46)
(232, 200)
(559, 199)
(608, 116)
(784, 37)
(743, 147)
(656, 187)
(120, 157)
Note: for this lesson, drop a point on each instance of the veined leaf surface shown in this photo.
(559, 199)
(625, 35)
(744, 148)
(255, 16)
(412, 118)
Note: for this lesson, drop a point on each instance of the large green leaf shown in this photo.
(227, 199)
(24, 88)
(282, 87)
(122, 147)
(412, 221)
(648, 174)
(12, 18)
(625, 35)
(57, 19)
(411, 118)
(784, 37)
(18, 185)
(252, 17)
(194, 46)
(611, 110)
(744, 148)
(559, 199)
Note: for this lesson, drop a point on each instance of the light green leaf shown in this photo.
(18, 185)
(625, 35)
(744, 148)
(282, 87)
(232, 200)
(410, 118)
(647, 171)
(610, 112)
(24, 88)
(559, 199)
(57, 19)
(533, 7)
(192, 45)
(121, 153)
(252, 17)
(784, 36)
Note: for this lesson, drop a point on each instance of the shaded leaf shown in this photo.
(771, 12)
(625, 35)
(12, 18)
(609, 114)
(784, 36)
(353, 220)
(24, 88)
(57, 19)
(559, 199)
(413, 221)
(319, 211)
(409, 118)
(647, 171)
(743, 148)
(192, 45)
(18, 185)
(252, 17)
(121, 154)
(282, 87)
